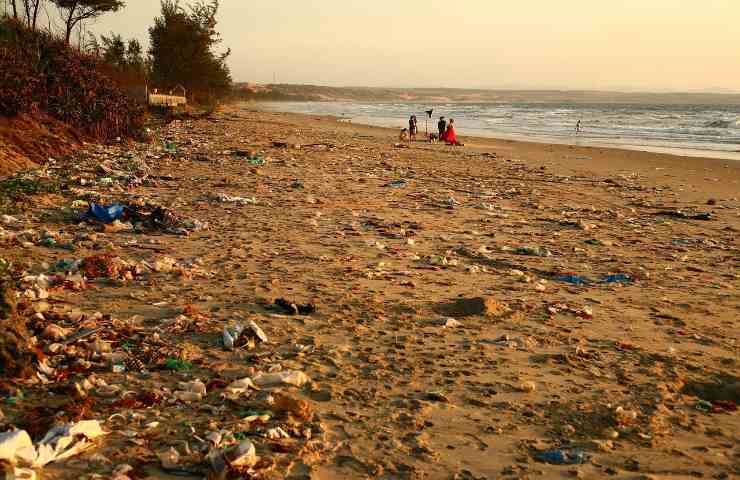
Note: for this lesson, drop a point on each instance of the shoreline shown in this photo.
(680, 151)
(696, 178)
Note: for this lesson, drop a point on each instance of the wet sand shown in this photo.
(387, 240)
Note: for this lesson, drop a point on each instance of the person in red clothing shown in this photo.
(450, 135)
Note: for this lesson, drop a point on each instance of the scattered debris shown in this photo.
(294, 308)
(288, 377)
(562, 457)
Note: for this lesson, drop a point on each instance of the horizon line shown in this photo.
(625, 90)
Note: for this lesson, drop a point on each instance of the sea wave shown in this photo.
(690, 127)
(724, 124)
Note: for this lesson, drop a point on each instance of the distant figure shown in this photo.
(404, 135)
(450, 135)
(413, 129)
(442, 127)
(578, 127)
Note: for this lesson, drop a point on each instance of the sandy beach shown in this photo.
(486, 311)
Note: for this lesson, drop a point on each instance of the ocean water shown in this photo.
(689, 130)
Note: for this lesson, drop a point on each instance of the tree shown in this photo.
(31, 10)
(134, 55)
(75, 11)
(182, 44)
(92, 46)
(114, 50)
(14, 5)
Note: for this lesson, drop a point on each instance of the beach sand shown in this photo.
(388, 241)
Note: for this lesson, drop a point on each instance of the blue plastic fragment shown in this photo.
(562, 457)
(105, 213)
(574, 279)
(617, 278)
(579, 280)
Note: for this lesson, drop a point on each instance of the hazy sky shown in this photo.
(578, 44)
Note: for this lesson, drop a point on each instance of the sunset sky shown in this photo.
(656, 45)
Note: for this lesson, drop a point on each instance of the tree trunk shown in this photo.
(35, 13)
(27, 8)
(69, 25)
(15, 8)
(32, 12)
(70, 22)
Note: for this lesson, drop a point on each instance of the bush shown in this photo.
(39, 72)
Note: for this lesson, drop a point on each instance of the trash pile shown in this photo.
(141, 218)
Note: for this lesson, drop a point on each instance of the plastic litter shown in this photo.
(257, 332)
(574, 279)
(231, 334)
(191, 391)
(684, 215)
(16, 444)
(8, 219)
(533, 251)
(617, 278)
(397, 184)
(224, 198)
(244, 455)
(293, 308)
(239, 387)
(562, 457)
(177, 365)
(105, 213)
(61, 442)
(580, 280)
(279, 379)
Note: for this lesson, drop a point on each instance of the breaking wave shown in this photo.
(724, 124)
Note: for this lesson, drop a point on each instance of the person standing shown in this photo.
(413, 129)
(442, 127)
(451, 135)
(578, 127)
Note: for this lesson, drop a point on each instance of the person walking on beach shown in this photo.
(578, 127)
(413, 129)
(442, 127)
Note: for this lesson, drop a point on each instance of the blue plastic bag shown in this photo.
(106, 213)
(621, 277)
(574, 279)
(562, 457)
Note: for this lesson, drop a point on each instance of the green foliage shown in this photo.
(76, 11)
(114, 50)
(17, 187)
(134, 55)
(177, 365)
(119, 53)
(182, 49)
(40, 72)
(15, 191)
